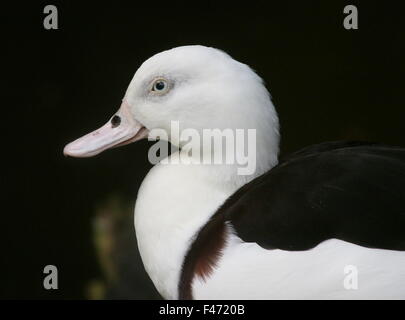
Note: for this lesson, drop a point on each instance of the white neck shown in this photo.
(175, 201)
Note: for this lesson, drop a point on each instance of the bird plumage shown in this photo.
(286, 230)
(331, 202)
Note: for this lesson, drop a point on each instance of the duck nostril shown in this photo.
(115, 121)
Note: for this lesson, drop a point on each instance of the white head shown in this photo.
(201, 88)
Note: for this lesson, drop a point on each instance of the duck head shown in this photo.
(197, 86)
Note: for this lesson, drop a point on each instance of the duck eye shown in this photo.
(160, 86)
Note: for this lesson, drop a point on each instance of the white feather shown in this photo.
(247, 271)
(175, 200)
(211, 90)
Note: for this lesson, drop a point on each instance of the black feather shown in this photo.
(351, 191)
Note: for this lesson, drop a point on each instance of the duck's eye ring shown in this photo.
(160, 86)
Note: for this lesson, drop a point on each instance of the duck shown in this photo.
(325, 222)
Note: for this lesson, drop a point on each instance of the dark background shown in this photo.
(327, 83)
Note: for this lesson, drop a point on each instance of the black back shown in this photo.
(351, 191)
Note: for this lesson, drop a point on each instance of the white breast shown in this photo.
(174, 202)
(247, 271)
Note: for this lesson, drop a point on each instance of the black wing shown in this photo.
(346, 190)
